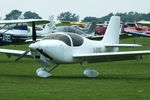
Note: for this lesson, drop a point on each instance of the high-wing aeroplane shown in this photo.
(79, 24)
(19, 33)
(68, 48)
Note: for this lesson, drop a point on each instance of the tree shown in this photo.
(90, 19)
(14, 14)
(31, 15)
(67, 16)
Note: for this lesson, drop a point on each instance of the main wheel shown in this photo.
(90, 73)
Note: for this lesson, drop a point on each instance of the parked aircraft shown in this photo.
(68, 48)
(77, 30)
(18, 33)
(135, 29)
(79, 24)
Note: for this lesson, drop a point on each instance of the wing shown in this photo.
(9, 52)
(137, 33)
(37, 21)
(111, 56)
(145, 23)
(122, 45)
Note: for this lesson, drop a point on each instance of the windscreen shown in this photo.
(60, 37)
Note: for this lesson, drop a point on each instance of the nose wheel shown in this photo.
(45, 73)
(91, 73)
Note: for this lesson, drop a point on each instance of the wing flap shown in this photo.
(111, 56)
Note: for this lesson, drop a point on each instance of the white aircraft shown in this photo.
(19, 33)
(22, 29)
(47, 29)
(62, 48)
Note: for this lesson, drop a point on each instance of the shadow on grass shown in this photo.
(107, 77)
(112, 77)
(17, 76)
(126, 77)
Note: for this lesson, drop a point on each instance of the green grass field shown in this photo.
(122, 80)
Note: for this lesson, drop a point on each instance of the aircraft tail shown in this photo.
(49, 27)
(91, 28)
(113, 30)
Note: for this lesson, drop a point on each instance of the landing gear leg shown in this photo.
(44, 72)
(89, 72)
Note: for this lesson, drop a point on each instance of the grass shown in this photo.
(122, 80)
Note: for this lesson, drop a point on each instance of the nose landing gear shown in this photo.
(44, 72)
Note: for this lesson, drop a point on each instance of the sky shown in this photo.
(83, 8)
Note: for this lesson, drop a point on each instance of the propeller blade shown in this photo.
(44, 54)
(33, 32)
(24, 54)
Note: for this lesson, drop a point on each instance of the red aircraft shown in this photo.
(134, 27)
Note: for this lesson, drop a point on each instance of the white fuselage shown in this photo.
(61, 53)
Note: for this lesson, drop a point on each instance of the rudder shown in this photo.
(113, 30)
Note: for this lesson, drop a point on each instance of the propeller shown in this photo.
(24, 54)
(33, 40)
(33, 32)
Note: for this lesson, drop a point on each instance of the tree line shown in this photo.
(127, 17)
(68, 16)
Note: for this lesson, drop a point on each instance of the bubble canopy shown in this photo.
(70, 39)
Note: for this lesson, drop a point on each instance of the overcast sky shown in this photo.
(83, 8)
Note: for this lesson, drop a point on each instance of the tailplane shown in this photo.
(113, 30)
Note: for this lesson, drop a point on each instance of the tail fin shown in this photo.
(49, 27)
(52, 23)
(113, 30)
(91, 28)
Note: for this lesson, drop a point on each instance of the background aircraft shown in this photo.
(131, 30)
(20, 32)
(135, 29)
(77, 30)
(68, 48)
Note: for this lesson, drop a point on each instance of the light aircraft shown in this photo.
(136, 29)
(77, 30)
(20, 32)
(68, 48)
(79, 24)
